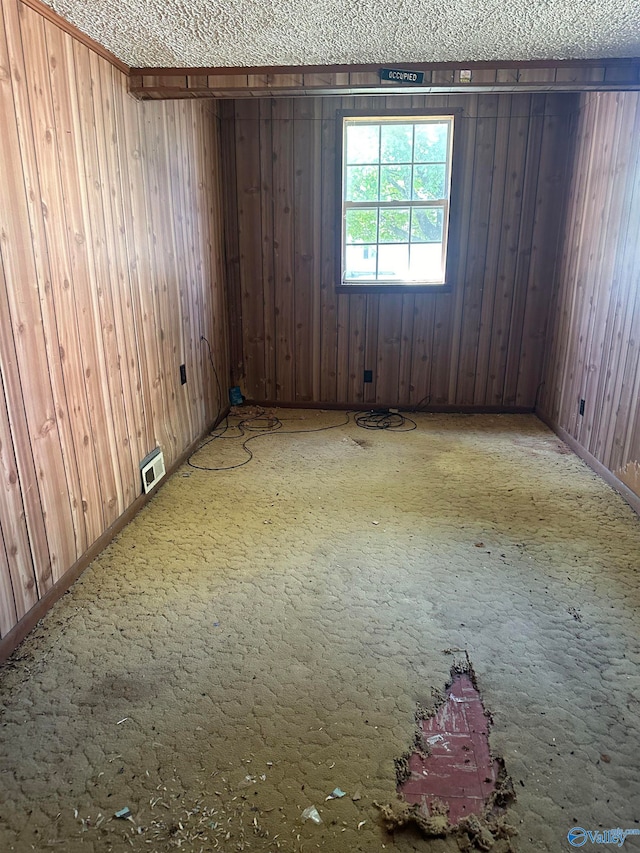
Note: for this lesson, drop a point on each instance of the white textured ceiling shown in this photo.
(324, 32)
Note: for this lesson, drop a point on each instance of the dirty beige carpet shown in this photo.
(256, 638)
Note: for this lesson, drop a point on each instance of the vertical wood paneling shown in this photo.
(266, 233)
(80, 239)
(92, 299)
(58, 306)
(24, 263)
(462, 347)
(118, 301)
(371, 345)
(330, 323)
(160, 214)
(129, 366)
(480, 211)
(110, 253)
(8, 614)
(604, 250)
(512, 211)
(343, 338)
(20, 449)
(406, 338)
(108, 273)
(142, 260)
(523, 257)
(388, 348)
(231, 239)
(20, 570)
(449, 306)
(594, 347)
(499, 175)
(187, 232)
(283, 249)
(623, 431)
(357, 337)
(316, 181)
(305, 224)
(420, 345)
(250, 240)
(547, 227)
(137, 252)
(215, 316)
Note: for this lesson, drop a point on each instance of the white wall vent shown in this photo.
(152, 469)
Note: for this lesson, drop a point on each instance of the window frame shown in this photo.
(454, 194)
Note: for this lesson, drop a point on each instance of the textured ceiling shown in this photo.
(324, 32)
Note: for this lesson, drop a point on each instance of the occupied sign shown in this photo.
(412, 78)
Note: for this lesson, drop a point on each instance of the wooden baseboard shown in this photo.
(601, 470)
(28, 622)
(368, 407)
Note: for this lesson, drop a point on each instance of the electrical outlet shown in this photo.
(582, 407)
(368, 376)
(183, 374)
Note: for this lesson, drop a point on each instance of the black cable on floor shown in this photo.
(274, 426)
(263, 425)
(384, 419)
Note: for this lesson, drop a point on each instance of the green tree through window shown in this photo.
(396, 175)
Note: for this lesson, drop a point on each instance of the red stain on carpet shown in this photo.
(459, 771)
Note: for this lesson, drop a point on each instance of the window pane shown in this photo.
(363, 143)
(426, 262)
(431, 142)
(426, 225)
(396, 143)
(429, 181)
(394, 226)
(362, 226)
(396, 174)
(360, 262)
(362, 183)
(393, 263)
(395, 183)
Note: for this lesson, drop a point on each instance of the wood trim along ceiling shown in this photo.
(374, 67)
(167, 83)
(48, 13)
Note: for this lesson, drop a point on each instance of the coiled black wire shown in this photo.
(384, 419)
(262, 425)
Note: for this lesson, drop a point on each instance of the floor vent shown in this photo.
(152, 469)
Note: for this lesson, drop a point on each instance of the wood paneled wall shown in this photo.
(294, 339)
(594, 347)
(110, 273)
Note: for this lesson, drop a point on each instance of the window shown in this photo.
(396, 181)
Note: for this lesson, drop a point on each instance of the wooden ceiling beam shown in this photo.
(573, 76)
